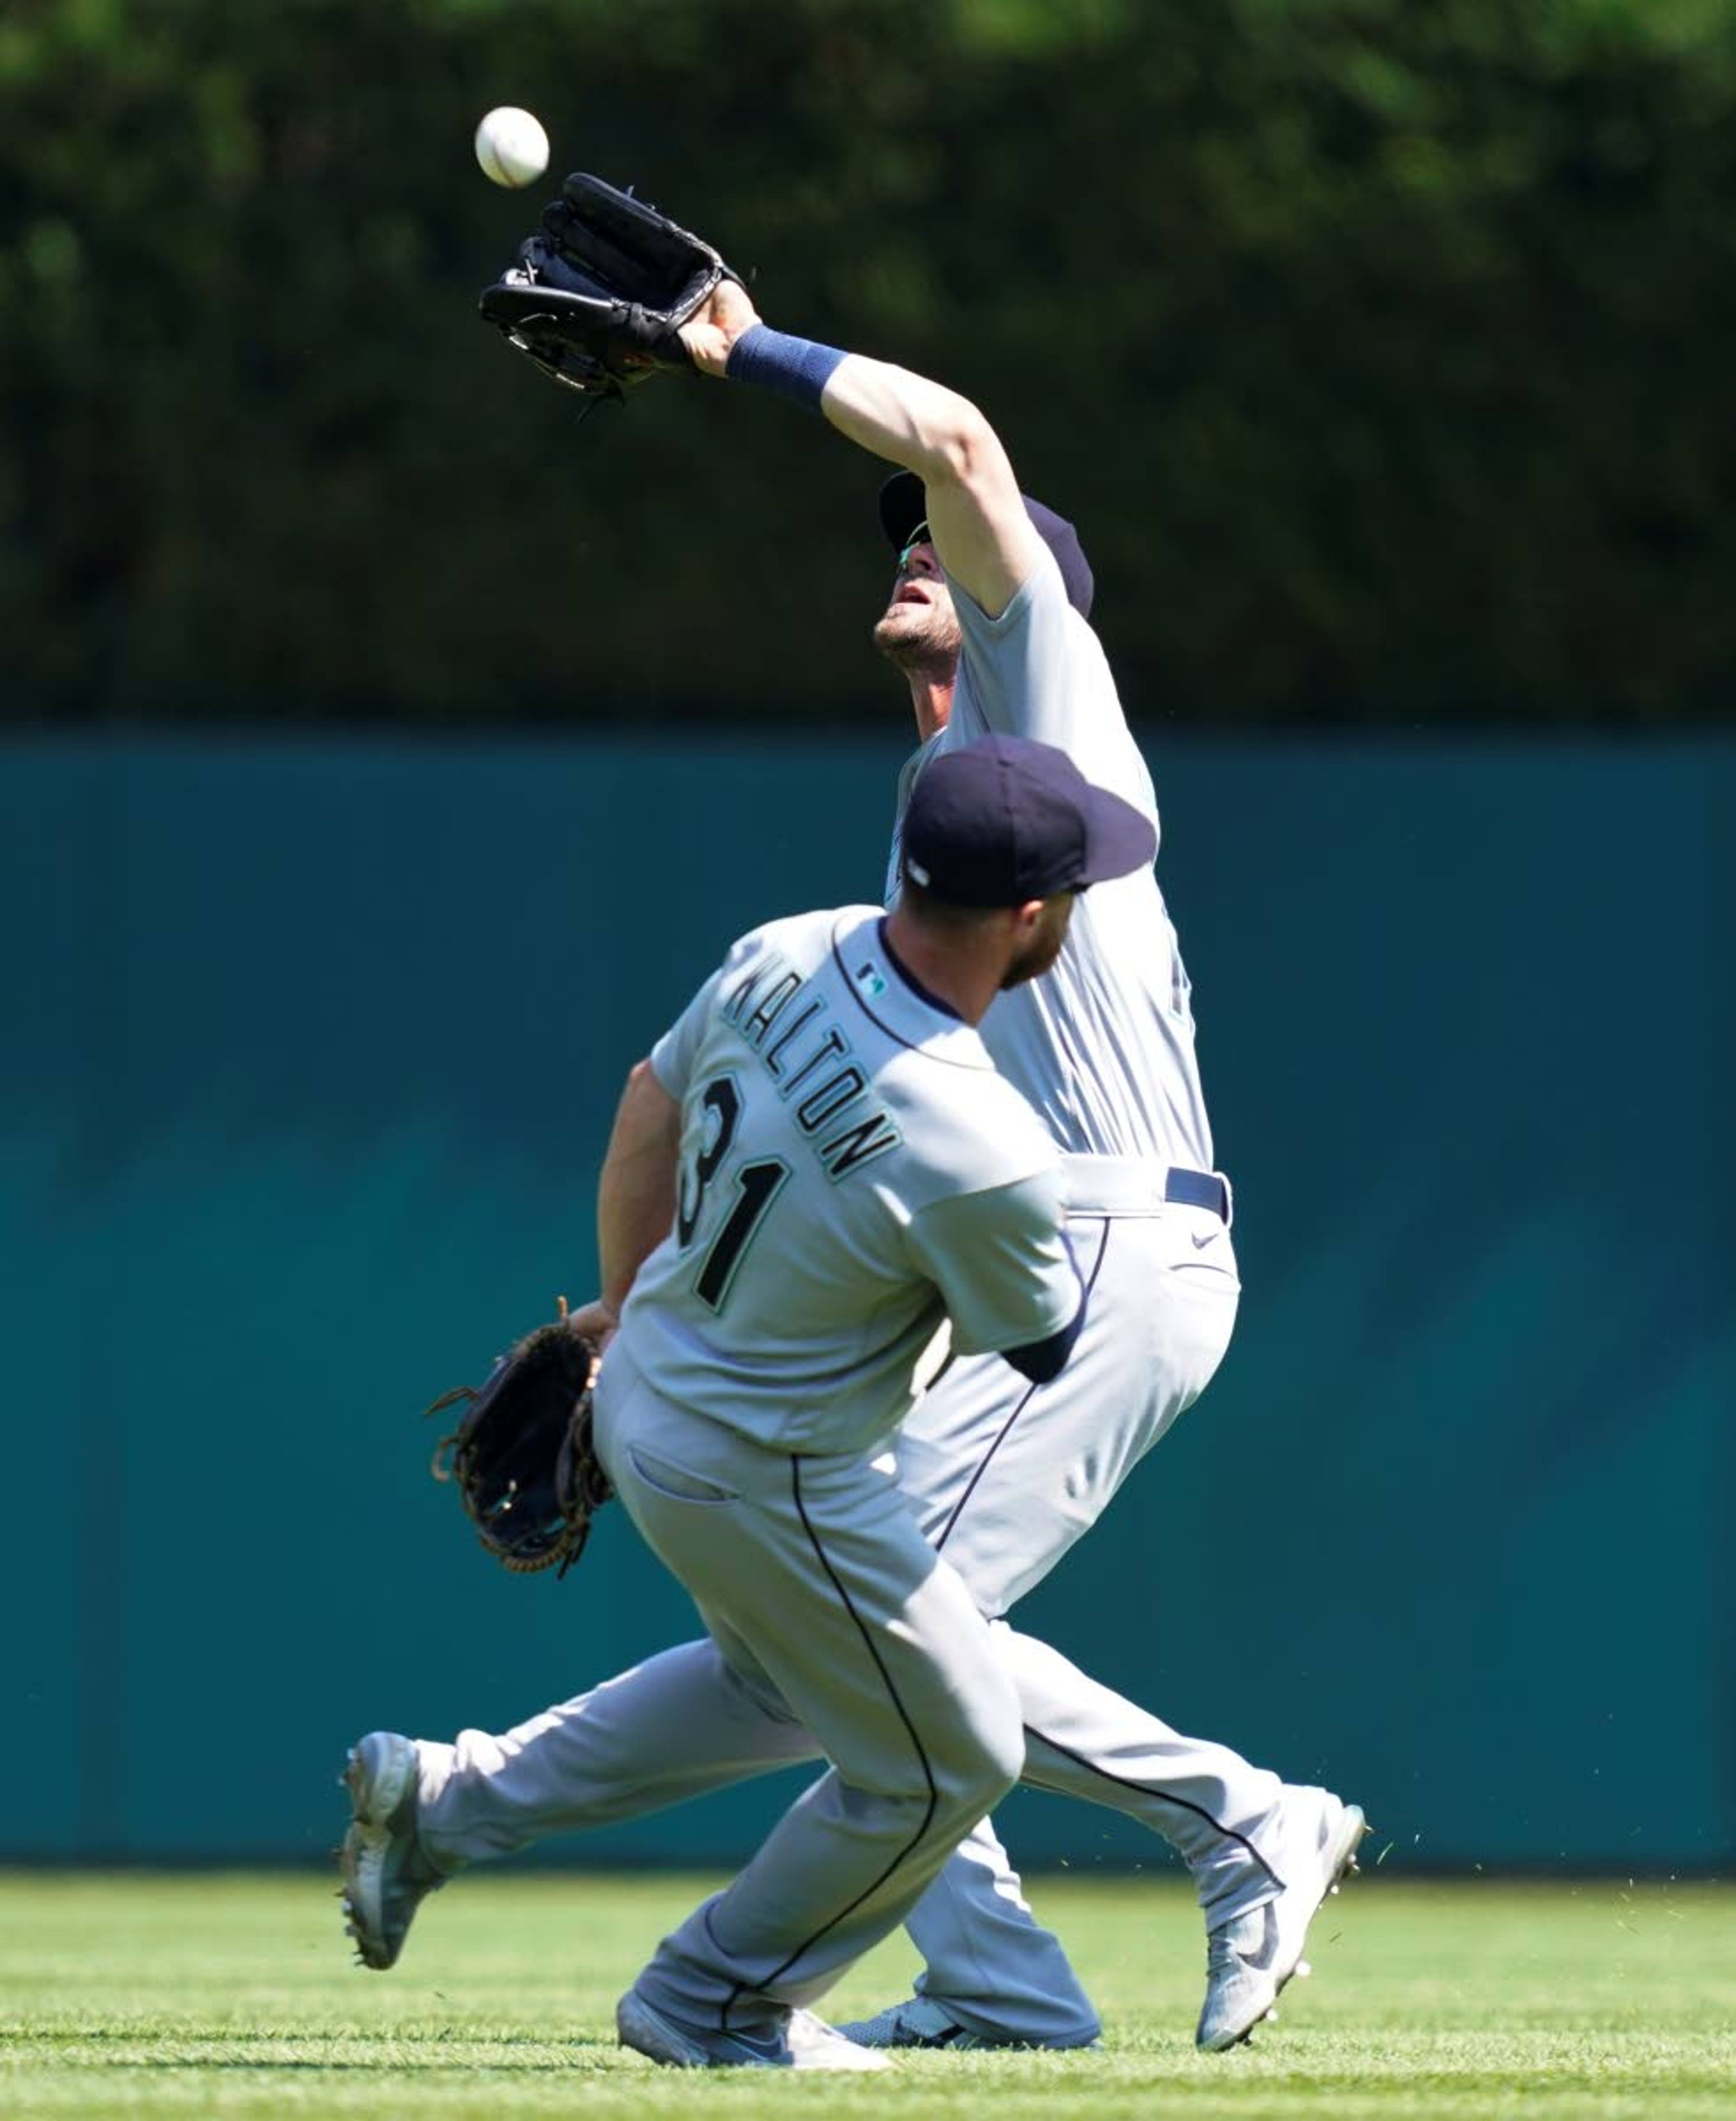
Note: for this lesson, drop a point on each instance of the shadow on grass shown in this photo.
(515, 2053)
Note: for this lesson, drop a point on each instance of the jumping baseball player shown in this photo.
(815, 1165)
(989, 624)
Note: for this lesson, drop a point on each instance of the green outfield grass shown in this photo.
(233, 1995)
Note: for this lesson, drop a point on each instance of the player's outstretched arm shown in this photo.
(980, 528)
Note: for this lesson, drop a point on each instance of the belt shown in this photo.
(1132, 1186)
(1199, 1189)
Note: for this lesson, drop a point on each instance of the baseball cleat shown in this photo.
(385, 1874)
(922, 2022)
(813, 2044)
(803, 2042)
(1249, 1959)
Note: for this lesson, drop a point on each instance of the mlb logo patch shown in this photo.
(868, 979)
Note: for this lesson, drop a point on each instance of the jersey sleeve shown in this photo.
(672, 1056)
(1001, 1262)
(1039, 671)
(1020, 669)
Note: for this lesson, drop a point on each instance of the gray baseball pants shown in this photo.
(1001, 1478)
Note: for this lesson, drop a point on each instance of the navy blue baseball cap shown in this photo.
(1006, 820)
(904, 509)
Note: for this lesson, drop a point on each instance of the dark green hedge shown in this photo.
(1382, 350)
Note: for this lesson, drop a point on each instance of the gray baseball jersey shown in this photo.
(1005, 1480)
(851, 1166)
(1103, 1046)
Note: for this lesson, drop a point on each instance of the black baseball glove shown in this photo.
(599, 292)
(522, 1457)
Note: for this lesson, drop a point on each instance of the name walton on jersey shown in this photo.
(774, 998)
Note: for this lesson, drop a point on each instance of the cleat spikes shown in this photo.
(1249, 1963)
(383, 1874)
(1303, 1969)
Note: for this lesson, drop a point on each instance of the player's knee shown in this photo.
(972, 1788)
(984, 1761)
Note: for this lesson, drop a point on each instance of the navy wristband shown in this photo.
(793, 368)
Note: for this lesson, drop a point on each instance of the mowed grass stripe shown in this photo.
(141, 1995)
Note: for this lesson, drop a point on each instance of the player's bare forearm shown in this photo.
(636, 1195)
(903, 418)
(976, 515)
(912, 421)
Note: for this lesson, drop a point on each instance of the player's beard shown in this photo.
(922, 640)
(1042, 947)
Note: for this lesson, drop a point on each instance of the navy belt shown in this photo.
(1198, 1189)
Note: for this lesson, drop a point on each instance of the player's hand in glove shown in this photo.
(597, 1321)
(522, 1458)
(599, 294)
(725, 313)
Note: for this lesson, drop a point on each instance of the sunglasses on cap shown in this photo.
(921, 535)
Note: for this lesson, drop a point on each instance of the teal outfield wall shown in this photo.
(310, 1051)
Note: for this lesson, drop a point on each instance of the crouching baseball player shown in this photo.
(816, 1164)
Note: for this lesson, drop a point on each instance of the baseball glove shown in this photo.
(522, 1458)
(598, 293)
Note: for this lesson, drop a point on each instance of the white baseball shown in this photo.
(512, 147)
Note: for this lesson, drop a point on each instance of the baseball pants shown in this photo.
(825, 1603)
(1006, 1477)
(1003, 1477)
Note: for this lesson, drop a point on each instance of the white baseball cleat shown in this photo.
(1250, 1958)
(813, 2044)
(385, 1874)
(803, 2042)
(922, 2022)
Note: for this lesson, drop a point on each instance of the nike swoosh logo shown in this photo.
(1199, 1244)
(1260, 1961)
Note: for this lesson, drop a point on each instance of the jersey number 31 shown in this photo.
(756, 1186)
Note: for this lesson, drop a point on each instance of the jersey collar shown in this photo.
(893, 1000)
(909, 978)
